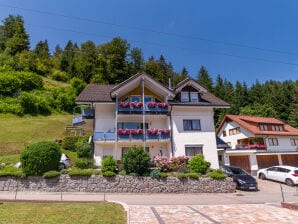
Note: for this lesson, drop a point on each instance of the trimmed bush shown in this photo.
(84, 163)
(40, 157)
(84, 150)
(108, 164)
(155, 174)
(10, 171)
(80, 172)
(193, 175)
(51, 174)
(136, 160)
(182, 175)
(197, 164)
(217, 174)
(122, 173)
(69, 143)
(109, 174)
(163, 175)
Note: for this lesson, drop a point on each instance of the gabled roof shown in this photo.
(189, 81)
(135, 80)
(95, 93)
(251, 124)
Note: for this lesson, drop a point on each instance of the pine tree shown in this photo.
(204, 78)
(293, 115)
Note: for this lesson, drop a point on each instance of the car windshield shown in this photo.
(238, 171)
(296, 171)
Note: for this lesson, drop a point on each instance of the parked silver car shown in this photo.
(285, 174)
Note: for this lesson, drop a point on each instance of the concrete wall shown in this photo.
(119, 184)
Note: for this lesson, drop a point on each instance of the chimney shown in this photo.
(170, 86)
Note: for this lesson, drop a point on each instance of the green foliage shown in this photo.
(84, 150)
(80, 172)
(40, 157)
(78, 85)
(9, 84)
(11, 105)
(84, 163)
(198, 164)
(204, 78)
(136, 160)
(109, 174)
(10, 171)
(217, 174)
(59, 75)
(193, 175)
(122, 172)
(51, 174)
(163, 175)
(182, 175)
(155, 173)
(108, 164)
(69, 143)
(259, 110)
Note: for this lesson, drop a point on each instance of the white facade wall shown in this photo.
(284, 144)
(205, 137)
(104, 117)
(232, 139)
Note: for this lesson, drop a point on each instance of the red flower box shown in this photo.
(123, 132)
(124, 104)
(136, 131)
(162, 105)
(151, 104)
(164, 132)
(152, 131)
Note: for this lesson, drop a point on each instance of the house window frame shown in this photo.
(184, 96)
(196, 98)
(273, 141)
(135, 96)
(294, 141)
(191, 125)
(234, 131)
(224, 133)
(195, 150)
(263, 127)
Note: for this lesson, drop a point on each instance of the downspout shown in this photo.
(143, 115)
(171, 123)
(116, 127)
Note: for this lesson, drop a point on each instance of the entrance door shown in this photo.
(240, 161)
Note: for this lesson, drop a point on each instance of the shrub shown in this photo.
(51, 174)
(193, 175)
(40, 157)
(163, 175)
(172, 164)
(10, 171)
(108, 164)
(84, 150)
(198, 164)
(84, 163)
(182, 175)
(136, 160)
(109, 174)
(9, 84)
(59, 76)
(217, 174)
(69, 143)
(80, 172)
(29, 80)
(155, 173)
(122, 173)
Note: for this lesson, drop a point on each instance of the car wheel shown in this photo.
(289, 182)
(262, 176)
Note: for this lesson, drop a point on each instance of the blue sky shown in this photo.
(240, 40)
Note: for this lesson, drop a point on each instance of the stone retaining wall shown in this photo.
(119, 184)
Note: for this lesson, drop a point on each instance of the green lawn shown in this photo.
(16, 132)
(66, 213)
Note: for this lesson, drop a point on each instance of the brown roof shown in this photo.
(252, 124)
(95, 93)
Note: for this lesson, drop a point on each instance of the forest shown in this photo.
(24, 69)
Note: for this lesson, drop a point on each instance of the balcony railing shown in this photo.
(137, 108)
(252, 146)
(133, 135)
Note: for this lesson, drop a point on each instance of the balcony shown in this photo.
(104, 136)
(251, 143)
(137, 108)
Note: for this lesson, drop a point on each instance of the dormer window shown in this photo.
(194, 97)
(184, 97)
(263, 127)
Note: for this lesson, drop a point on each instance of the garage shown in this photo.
(290, 159)
(265, 161)
(240, 161)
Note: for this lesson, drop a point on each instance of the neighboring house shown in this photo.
(258, 142)
(164, 121)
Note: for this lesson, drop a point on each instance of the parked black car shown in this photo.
(243, 180)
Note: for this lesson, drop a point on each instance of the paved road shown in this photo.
(262, 206)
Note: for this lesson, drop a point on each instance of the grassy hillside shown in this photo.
(16, 132)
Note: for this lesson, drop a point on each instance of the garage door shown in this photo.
(290, 160)
(240, 161)
(265, 161)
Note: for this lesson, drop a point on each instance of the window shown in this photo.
(277, 128)
(191, 125)
(224, 133)
(263, 127)
(193, 150)
(234, 131)
(135, 99)
(148, 99)
(184, 97)
(272, 141)
(194, 97)
(131, 125)
(294, 142)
